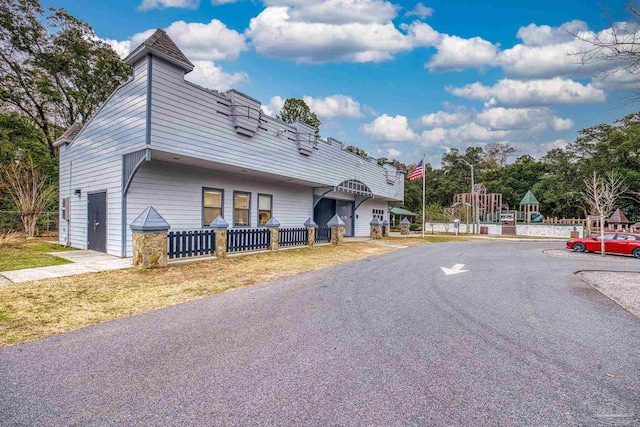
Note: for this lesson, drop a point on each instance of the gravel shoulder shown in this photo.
(621, 286)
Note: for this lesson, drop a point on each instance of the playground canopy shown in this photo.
(529, 199)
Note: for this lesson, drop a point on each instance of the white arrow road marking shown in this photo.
(454, 270)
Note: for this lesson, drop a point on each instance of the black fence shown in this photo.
(249, 239)
(323, 234)
(184, 244)
(292, 236)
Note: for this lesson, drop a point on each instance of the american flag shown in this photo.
(417, 172)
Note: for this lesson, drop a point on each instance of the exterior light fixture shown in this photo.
(77, 192)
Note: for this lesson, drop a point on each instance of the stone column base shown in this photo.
(150, 250)
(337, 235)
(311, 236)
(274, 239)
(376, 232)
(221, 243)
(404, 230)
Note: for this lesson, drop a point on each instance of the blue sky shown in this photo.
(396, 78)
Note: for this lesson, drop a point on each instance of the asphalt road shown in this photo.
(386, 341)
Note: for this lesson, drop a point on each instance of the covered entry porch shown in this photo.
(352, 201)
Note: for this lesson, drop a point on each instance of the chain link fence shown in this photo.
(47, 222)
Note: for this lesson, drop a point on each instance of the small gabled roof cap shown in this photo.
(69, 134)
(405, 221)
(219, 223)
(310, 223)
(160, 44)
(529, 199)
(385, 222)
(618, 218)
(149, 220)
(375, 221)
(272, 223)
(336, 221)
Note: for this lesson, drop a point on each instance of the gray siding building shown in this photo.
(194, 154)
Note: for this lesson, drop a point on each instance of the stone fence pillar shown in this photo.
(220, 227)
(336, 224)
(385, 228)
(149, 231)
(405, 226)
(274, 233)
(311, 231)
(375, 228)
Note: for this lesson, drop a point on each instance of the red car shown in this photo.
(614, 242)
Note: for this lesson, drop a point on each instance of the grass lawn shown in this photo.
(32, 310)
(30, 253)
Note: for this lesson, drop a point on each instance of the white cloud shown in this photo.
(387, 128)
(531, 93)
(274, 106)
(354, 34)
(558, 51)
(389, 153)
(561, 124)
(330, 107)
(527, 119)
(164, 4)
(212, 41)
(337, 11)
(203, 44)
(543, 35)
(122, 48)
(334, 106)
(617, 79)
(456, 53)
(212, 76)
(468, 132)
(443, 119)
(420, 11)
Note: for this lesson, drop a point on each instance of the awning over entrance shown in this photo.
(354, 187)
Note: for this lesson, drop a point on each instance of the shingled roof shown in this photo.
(70, 134)
(618, 218)
(161, 44)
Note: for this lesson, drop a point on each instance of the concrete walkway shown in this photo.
(81, 262)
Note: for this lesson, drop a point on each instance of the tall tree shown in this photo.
(496, 154)
(30, 191)
(53, 69)
(296, 109)
(601, 194)
(358, 151)
(18, 141)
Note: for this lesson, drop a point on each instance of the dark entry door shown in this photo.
(97, 225)
(344, 209)
(324, 211)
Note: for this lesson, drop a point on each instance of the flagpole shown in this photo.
(423, 193)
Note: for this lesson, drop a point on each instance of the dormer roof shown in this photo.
(69, 134)
(161, 45)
